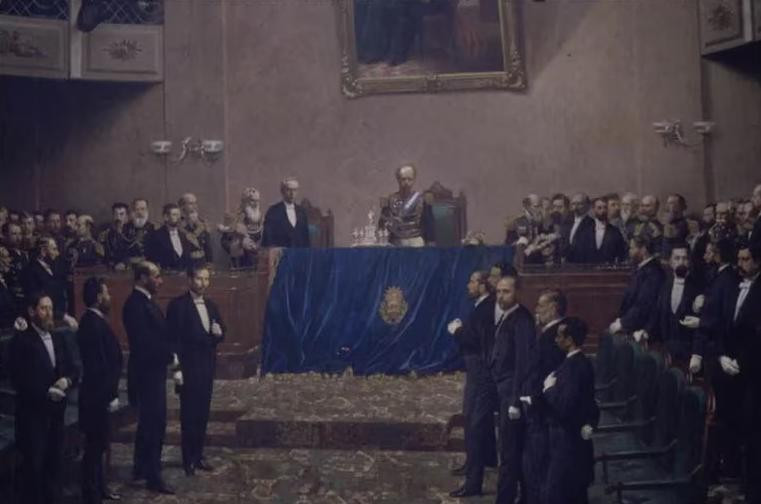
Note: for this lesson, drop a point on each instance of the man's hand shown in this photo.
(615, 326)
(175, 363)
(729, 366)
(695, 363)
(550, 381)
(55, 394)
(62, 384)
(697, 305)
(586, 432)
(113, 405)
(525, 400)
(120, 267)
(71, 322)
(177, 377)
(640, 335)
(690, 322)
(454, 325)
(20, 324)
(513, 413)
(216, 329)
(522, 241)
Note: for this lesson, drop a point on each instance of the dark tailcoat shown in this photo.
(160, 250)
(613, 248)
(101, 368)
(8, 305)
(150, 354)
(717, 295)
(755, 234)
(571, 405)
(278, 231)
(39, 421)
(197, 352)
(640, 296)
(35, 278)
(573, 250)
(664, 326)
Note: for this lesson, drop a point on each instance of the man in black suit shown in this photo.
(571, 248)
(150, 353)
(467, 335)
(114, 241)
(755, 234)
(8, 305)
(197, 327)
(99, 391)
(42, 371)
(544, 359)
(737, 382)
(569, 395)
(597, 241)
(168, 246)
(640, 295)
(285, 223)
(43, 275)
(675, 302)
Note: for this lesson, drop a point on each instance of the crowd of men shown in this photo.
(43, 372)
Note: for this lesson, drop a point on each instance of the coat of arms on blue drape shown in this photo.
(376, 310)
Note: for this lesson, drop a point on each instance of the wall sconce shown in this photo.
(672, 132)
(208, 150)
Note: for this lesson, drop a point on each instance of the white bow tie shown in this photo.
(745, 284)
(679, 281)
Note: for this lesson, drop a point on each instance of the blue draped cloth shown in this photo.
(325, 309)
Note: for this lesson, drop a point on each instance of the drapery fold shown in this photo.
(326, 308)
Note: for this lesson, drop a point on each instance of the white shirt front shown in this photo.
(290, 210)
(677, 292)
(744, 289)
(202, 311)
(174, 236)
(576, 222)
(47, 340)
(143, 291)
(599, 233)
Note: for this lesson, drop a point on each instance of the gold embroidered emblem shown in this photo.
(394, 307)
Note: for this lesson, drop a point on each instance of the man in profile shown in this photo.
(150, 347)
(195, 323)
(406, 214)
(99, 391)
(286, 223)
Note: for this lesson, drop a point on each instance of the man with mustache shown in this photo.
(138, 230)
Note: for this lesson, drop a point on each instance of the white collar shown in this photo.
(679, 281)
(44, 264)
(289, 205)
(173, 230)
(41, 332)
(600, 223)
(747, 282)
(723, 267)
(97, 312)
(509, 311)
(643, 263)
(572, 353)
(478, 301)
(195, 297)
(577, 218)
(551, 324)
(143, 290)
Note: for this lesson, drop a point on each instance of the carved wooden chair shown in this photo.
(321, 227)
(449, 215)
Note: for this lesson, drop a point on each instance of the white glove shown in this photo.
(62, 384)
(615, 326)
(177, 377)
(550, 381)
(525, 400)
(113, 405)
(586, 432)
(55, 394)
(70, 321)
(695, 363)
(522, 241)
(697, 305)
(513, 413)
(454, 325)
(640, 335)
(20, 324)
(216, 329)
(120, 267)
(730, 366)
(690, 322)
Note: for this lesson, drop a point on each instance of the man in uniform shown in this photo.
(196, 230)
(406, 214)
(138, 230)
(112, 238)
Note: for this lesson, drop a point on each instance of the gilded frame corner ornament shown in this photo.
(513, 77)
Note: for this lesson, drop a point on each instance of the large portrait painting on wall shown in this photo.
(394, 46)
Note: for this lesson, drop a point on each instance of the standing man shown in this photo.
(99, 391)
(168, 246)
(406, 214)
(42, 371)
(467, 335)
(545, 358)
(569, 394)
(42, 275)
(150, 353)
(196, 325)
(755, 234)
(601, 242)
(285, 223)
(572, 250)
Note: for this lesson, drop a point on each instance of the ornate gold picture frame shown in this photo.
(424, 46)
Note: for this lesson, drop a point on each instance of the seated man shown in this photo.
(242, 233)
(138, 230)
(85, 251)
(196, 230)
(529, 224)
(405, 213)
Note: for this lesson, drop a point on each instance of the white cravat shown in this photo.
(174, 236)
(202, 312)
(47, 340)
(677, 291)
(290, 210)
(576, 222)
(599, 233)
(744, 289)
